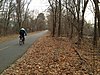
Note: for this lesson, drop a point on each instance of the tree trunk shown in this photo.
(18, 11)
(54, 11)
(71, 32)
(78, 21)
(83, 12)
(97, 19)
(53, 25)
(95, 31)
(59, 27)
(8, 16)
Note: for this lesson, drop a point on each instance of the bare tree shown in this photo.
(97, 22)
(7, 8)
(26, 12)
(10, 10)
(53, 5)
(40, 22)
(12, 14)
(83, 12)
(97, 11)
(18, 11)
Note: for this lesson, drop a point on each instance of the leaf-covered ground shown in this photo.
(53, 56)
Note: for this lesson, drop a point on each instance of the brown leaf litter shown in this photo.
(49, 56)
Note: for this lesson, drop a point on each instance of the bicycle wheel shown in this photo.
(20, 42)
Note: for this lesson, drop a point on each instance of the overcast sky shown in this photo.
(40, 5)
(89, 14)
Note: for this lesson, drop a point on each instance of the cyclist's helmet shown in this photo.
(22, 29)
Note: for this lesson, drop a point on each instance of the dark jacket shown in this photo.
(22, 33)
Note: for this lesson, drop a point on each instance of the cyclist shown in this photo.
(22, 34)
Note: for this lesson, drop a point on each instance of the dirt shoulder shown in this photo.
(49, 56)
(8, 37)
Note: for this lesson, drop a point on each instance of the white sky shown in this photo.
(39, 5)
(89, 13)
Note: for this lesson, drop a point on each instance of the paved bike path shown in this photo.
(10, 51)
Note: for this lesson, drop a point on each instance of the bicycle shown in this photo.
(21, 41)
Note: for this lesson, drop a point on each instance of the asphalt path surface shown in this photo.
(10, 51)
